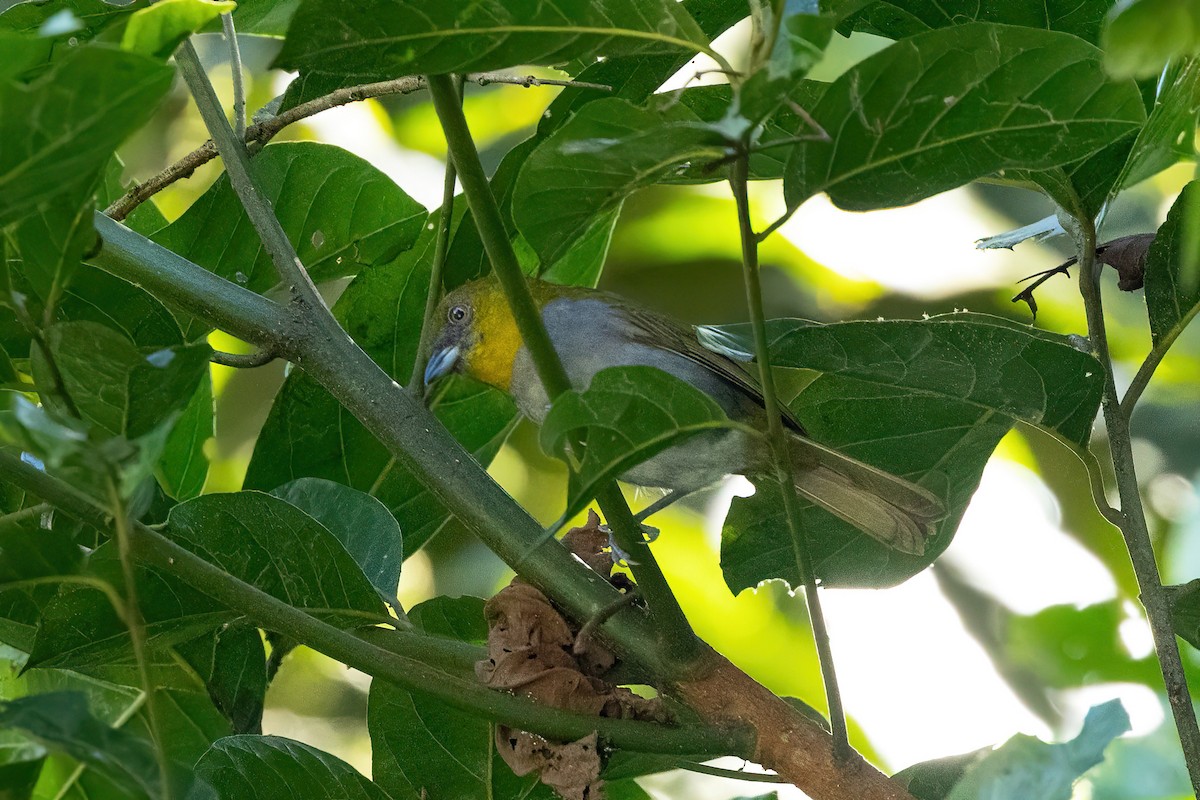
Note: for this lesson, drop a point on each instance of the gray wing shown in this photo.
(656, 330)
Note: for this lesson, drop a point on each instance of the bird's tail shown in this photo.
(895, 511)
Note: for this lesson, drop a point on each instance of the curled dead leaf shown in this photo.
(534, 650)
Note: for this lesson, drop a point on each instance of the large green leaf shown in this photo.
(82, 19)
(945, 107)
(588, 166)
(1026, 767)
(275, 768)
(232, 663)
(1146, 34)
(309, 434)
(63, 722)
(1172, 301)
(123, 389)
(58, 132)
(341, 213)
(80, 629)
(397, 37)
(633, 78)
(421, 749)
(988, 362)
(927, 401)
(360, 522)
(626, 415)
(897, 19)
(96, 296)
(280, 549)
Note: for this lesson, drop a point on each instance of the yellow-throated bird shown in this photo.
(592, 330)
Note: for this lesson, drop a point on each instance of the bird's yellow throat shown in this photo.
(496, 338)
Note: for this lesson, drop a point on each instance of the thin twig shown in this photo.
(239, 83)
(258, 358)
(1133, 517)
(266, 130)
(17, 517)
(778, 440)
(416, 383)
(237, 166)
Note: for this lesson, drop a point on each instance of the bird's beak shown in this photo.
(442, 362)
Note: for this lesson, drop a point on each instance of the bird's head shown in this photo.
(478, 335)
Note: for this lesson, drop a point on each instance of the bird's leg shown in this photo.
(661, 503)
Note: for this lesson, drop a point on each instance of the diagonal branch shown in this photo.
(263, 132)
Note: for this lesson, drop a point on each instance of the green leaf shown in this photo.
(360, 522)
(1185, 611)
(627, 415)
(232, 663)
(309, 434)
(898, 19)
(589, 165)
(341, 213)
(19, 777)
(79, 629)
(281, 550)
(88, 18)
(62, 722)
(1172, 293)
(400, 37)
(59, 131)
(265, 17)
(123, 389)
(158, 29)
(275, 768)
(948, 388)
(51, 243)
(1026, 767)
(988, 362)
(458, 618)
(945, 107)
(95, 296)
(422, 749)
(28, 552)
(1143, 35)
(1166, 138)
(934, 780)
(183, 468)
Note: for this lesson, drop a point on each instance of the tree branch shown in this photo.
(1133, 517)
(239, 81)
(266, 130)
(404, 662)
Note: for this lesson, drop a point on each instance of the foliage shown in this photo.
(152, 584)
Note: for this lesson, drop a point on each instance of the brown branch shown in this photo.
(264, 131)
(791, 744)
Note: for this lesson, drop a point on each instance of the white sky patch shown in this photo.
(927, 248)
(354, 127)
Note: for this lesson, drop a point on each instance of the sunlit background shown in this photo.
(963, 656)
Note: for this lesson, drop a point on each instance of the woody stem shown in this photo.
(779, 450)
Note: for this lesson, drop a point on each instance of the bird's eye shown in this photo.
(458, 313)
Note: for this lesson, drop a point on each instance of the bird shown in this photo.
(592, 330)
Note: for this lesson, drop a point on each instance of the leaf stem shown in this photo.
(416, 383)
(404, 662)
(1133, 518)
(778, 439)
(131, 614)
(675, 633)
